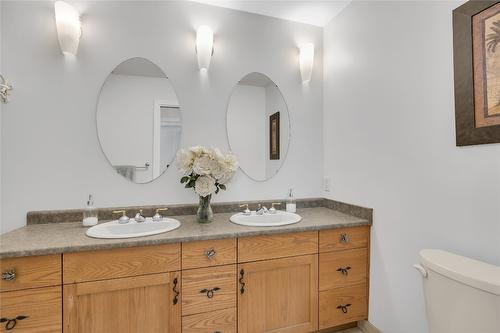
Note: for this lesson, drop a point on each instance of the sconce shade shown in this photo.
(68, 27)
(306, 61)
(204, 46)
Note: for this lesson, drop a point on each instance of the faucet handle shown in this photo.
(246, 211)
(124, 218)
(157, 217)
(272, 210)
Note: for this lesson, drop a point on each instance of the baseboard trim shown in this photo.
(367, 327)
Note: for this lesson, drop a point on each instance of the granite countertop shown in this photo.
(42, 239)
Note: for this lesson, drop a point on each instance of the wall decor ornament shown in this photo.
(207, 171)
(476, 50)
(5, 88)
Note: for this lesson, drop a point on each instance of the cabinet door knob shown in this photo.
(176, 292)
(344, 238)
(9, 275)
(10, 323)
(210, 254)
(343, 307)
(344, 270)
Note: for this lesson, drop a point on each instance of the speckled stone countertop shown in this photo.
(41, 239)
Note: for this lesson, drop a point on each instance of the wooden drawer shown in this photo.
(277, 246)
(41, 306)
(343, 239)
(208, 253)
(110, 264)
(30, 272)
(223, 321)
(342, 268)
(200, 293)
(331, 301)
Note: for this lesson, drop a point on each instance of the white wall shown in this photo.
(246, 124)
(389, 143)
(50, 152)
(125, 122)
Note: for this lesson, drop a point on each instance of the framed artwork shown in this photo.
(476, 52)
(274, 136)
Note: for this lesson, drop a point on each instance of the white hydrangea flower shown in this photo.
(231, 162)
(204, 186)
(204, 165)
(184, 161)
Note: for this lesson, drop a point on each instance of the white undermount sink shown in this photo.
(131, 229)
(275, 219)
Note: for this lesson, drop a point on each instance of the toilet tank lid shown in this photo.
(466, 270)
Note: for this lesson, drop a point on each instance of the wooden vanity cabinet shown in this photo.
(282, 283)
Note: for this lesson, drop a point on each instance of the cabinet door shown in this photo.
(278, 295)
(148, 303)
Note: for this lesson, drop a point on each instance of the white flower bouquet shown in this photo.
(207, 171)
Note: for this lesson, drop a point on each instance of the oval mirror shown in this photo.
(139, 120)
(258, 126)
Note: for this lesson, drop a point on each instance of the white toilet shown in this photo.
(462, 295)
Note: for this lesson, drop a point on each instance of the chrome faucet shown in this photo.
(158, 217)
(261, 210)
(139, 217)
(246, 211)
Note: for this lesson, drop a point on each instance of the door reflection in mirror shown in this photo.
(139, 121)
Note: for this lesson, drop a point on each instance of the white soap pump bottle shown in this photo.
(90, 213)
(291, 207)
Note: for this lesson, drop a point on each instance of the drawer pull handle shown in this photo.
(9, 275)
(344, 270)
(343, 307)
(210, 254)
(242, 283)
(209, 292)
(176, 292)
(11, 322)
(344, 238)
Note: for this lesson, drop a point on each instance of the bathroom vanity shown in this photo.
(222, 277)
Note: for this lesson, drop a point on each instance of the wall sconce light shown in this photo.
(306, 61)
(204, 46)
(68, 27)
(5, 87)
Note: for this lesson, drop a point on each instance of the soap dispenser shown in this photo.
(90, 213)
(291, 207)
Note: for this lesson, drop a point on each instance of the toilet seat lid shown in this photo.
(471, 272)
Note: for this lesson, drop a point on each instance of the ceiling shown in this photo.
(317, 13)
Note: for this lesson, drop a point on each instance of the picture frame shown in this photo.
(476, 78)
(274, 136)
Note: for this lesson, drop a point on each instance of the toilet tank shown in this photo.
(462, 295)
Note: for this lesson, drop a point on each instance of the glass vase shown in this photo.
(205, 213)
